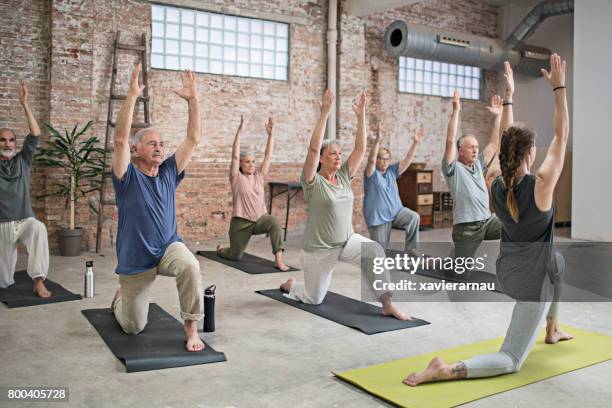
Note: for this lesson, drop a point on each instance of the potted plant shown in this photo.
(82, 159)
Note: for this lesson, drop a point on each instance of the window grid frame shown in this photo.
(405, 68)
(267, 69)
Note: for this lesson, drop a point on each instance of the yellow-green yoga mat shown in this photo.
(544, 361)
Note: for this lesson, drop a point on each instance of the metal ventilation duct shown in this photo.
(418, 41)
(534, 18)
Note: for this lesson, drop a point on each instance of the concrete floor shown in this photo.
(277, 355)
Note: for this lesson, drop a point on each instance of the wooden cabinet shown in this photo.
(416, 192)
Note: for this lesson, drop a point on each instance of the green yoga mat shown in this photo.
(544, 361)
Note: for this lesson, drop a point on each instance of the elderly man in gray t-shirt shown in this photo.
(464, 169)
(17, 222)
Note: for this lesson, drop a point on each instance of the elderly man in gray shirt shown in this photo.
(464, 168)
(17, 222)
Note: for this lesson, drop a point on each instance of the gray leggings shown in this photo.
(405, 219)
(527, 319)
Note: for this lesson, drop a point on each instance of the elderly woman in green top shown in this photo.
(329, 235)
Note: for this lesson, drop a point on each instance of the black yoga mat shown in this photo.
(160, 345)
(249, 263)
(473, 276)
(349, 312)
(20, 293)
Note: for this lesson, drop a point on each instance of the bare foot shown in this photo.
(40, 289)
(281, 267)
(554, 333)
(437, 370)
(389, 309)
(280, 263)
(116, 298)
(192, 338)
(219, 247)
(286, 287)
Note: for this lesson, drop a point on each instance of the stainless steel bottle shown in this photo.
(90, 283)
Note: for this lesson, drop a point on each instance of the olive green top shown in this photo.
(329, 223)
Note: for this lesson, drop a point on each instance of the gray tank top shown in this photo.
(526, 255)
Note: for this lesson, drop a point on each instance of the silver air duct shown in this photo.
(534, 18)
(412, 40)
(424, 42)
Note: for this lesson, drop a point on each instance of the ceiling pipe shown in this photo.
(332, 41)
(418, 41)
(534, 18)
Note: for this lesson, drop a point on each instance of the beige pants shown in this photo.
(31, 233)
(132, 309)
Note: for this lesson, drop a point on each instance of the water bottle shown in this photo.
(90, 285)
(209, 308)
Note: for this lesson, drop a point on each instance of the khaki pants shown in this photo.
(132, 308)
(240, 233)
(31, 233)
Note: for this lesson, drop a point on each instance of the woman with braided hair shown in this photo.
(528, 269)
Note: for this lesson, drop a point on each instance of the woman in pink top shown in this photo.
(249, 216)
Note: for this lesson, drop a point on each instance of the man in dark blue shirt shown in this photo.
(147, 240)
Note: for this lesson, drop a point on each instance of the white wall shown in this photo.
(592, 178)
(533, 100)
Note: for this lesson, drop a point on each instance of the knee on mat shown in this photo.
(315, 300)
(135, 328)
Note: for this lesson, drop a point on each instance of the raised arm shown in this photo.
(550, 170)
(316, 140)
(235, 164)
(405, 162)
(23, 98)
(371, 165)
(450, 152)
(358, 153)
(189, 92)
(494, 168)
(496, 109)
(121, 140)
(265, 165)
(508, 114)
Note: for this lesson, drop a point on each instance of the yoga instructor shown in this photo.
(528, 268)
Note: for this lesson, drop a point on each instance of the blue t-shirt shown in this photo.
(147, 216)
(381, 200)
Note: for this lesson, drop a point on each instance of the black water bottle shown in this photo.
(209, 308)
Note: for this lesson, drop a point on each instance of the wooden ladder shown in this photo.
(110, 124)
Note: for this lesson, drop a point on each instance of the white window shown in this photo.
(438, 78)
(218, 44)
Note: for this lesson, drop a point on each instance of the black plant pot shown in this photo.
(70, 241)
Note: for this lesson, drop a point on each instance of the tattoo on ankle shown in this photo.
(459, 370)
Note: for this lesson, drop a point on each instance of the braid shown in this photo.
(515, 144)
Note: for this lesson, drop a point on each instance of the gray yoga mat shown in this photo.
(20, 293)
(349, 312)
(160, 345)
(249, 263)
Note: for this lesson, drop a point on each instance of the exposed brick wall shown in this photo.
(64, 49)
(401, 114)
(203, 199)
(24, 55)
